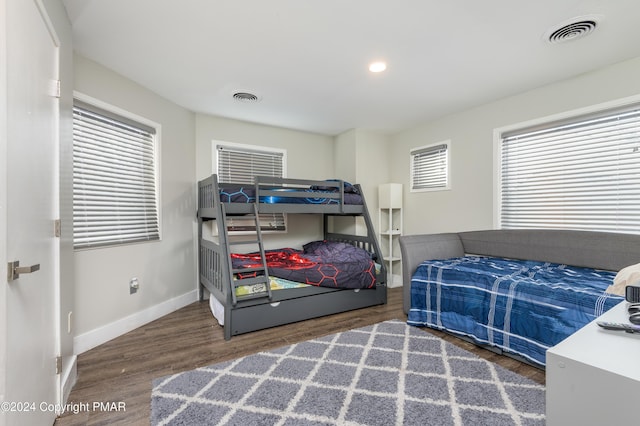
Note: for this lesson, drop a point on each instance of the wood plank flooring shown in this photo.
(122, 370)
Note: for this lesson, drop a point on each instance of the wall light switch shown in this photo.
(133, 285)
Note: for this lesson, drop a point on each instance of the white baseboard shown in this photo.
(395, 281)
(100, 335)
(69, 377)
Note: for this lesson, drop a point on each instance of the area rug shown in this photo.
(385, 374)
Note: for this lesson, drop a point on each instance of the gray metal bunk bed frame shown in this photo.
(269, 309)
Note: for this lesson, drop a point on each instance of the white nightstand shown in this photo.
(593, 376)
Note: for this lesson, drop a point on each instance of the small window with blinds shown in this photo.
(430, 167)
(239, 164)
(581, 173)
(114, 179)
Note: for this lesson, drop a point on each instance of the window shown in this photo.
(114, 179)
(237, 163)
(430, 167)
(581, 173)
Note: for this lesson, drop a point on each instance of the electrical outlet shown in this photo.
(134, 285)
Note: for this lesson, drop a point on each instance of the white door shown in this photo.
(31, 384)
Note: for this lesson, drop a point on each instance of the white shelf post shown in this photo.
(390, 229)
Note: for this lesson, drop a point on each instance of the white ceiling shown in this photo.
(308, 60)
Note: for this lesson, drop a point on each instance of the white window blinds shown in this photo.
(580, 174)
(429, 167)
(114, 179)
(240, 165)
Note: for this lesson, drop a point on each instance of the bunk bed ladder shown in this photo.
(260, 273)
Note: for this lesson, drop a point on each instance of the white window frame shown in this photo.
(447, 166)
(152, 233)
(573, 219)
(265, 219)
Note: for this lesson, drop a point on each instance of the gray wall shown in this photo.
(166, 269)
(309, 156)
(361, 156)
(469, 205)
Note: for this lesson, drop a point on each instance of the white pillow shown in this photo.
(624, 277)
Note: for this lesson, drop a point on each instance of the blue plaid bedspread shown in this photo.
(522, 307)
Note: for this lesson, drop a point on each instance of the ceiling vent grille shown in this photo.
(245, 97)
(571, 31)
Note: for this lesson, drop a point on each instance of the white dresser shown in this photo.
(593, 376)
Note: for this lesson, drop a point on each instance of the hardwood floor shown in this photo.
(121, 371)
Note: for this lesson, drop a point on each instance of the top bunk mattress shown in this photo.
(279, 195)
(237, 193)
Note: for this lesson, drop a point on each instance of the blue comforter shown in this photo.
(236, 193)
(522, 307)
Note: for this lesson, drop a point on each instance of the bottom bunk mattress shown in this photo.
(323, 263)
(522, 307)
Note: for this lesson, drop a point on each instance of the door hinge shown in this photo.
(54, 90)
(57, 228)
(58, 365)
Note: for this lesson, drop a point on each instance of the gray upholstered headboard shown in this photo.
(601, 250)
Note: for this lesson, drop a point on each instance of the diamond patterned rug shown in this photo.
(385, 374)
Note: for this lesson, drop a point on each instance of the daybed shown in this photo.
(518, 292)
(253, 290)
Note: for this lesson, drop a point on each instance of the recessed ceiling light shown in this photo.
(377, 66)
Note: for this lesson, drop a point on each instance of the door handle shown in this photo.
(14, 270)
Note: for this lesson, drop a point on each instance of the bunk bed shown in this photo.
(243, 295)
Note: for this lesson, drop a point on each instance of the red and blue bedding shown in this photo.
(321, 263)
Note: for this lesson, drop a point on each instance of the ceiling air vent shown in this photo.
(571, 31)
(245, 97)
